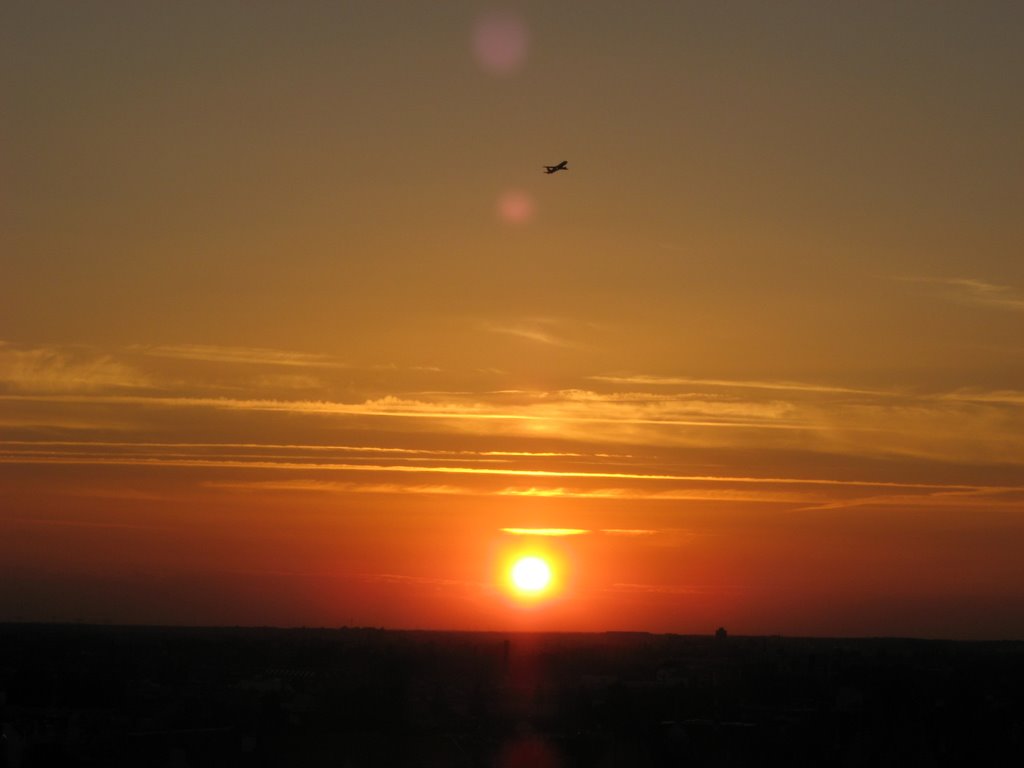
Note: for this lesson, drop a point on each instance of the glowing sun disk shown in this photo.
(531, 574)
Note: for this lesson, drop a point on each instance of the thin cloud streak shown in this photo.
(531, 331)
(329, 486)
(541, 473)
(691, 494)
(392, 407)
(65, 423)
(302, 447)
(785, 386)
(967, 290)
(628, 531)
(243, 355)
(545, 531)
(1001, 396)
(613, 494)
(989, 498)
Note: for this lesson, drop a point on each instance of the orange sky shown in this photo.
(293, 329)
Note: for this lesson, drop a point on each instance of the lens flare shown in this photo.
(515, 207)
(499, 42)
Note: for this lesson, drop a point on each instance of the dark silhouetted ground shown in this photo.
(78, 695)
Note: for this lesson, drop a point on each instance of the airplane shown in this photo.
(562, 166)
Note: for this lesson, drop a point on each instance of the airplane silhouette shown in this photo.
(562, 166)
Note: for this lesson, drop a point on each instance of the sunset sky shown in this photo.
(295, 331)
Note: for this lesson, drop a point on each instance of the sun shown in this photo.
(531, 575)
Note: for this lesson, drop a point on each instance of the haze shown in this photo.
(296, 331)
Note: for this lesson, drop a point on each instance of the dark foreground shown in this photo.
(147, 696)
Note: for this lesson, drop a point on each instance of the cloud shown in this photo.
(301, 485)
(126, 494)
(327, 486)
(562, 407)
(628, 531)
(62, 422)
(935, 427)
(1001, 396)
(559, 454)
(538, 331)
(545, 531)
(1008, 498)
(688, 494)
(243, 355)
(646, 406)
(54, 369)
(785, 386)
(967, 290)
(964, 426)
(260, 449)
(16, 457)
